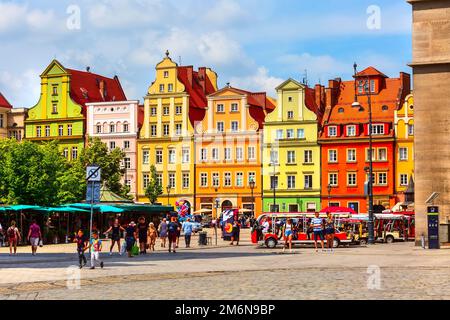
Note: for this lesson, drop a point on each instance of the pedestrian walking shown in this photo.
(142, 233)
(173, 229)
(187, 228)
(14, 237)
(162, 230)
(178, 233)
(130, 237)
(317, 226)
(95, 247)
(82, 244)
(235, 234)
(115, 230)
(34, 236)
(152, 234)
(330, 231)
(288, 233)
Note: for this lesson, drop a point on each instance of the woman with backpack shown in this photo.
(13, 237)
(173, 230)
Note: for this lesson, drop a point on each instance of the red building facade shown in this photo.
(344, 140)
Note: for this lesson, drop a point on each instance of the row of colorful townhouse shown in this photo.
(230, 148)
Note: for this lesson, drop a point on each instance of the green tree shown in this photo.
(154, 189)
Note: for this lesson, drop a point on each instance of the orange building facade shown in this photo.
(344, 140)
(228, 151)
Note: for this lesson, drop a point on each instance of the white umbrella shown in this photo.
(203, 211)
(245, 210)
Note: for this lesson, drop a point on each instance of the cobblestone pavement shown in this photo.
(244, 273)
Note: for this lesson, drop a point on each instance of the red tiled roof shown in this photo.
(3, 102)
(85, 88)
(370, 71)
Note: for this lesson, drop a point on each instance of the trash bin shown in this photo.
(202, 238)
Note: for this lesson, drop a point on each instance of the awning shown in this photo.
(338, 210)
(143, 208)
(97, 207)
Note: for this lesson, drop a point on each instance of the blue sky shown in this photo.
(254, 44)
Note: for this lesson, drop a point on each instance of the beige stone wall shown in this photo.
(431, 64)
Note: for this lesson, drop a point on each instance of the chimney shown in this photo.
(88, 69)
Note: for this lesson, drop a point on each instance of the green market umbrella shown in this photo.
(97, 207)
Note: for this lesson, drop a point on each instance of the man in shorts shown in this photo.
(34, 235)
(317, 226)
(173, 229)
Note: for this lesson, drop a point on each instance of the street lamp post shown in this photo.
(252, 187)
(168, 194)
(217, 201)
(357, 105)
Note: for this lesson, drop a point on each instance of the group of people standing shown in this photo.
(14, 237)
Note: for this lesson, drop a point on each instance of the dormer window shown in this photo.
(332, 131)
(166, 74)
(290, 114)
(378, 129)
(170, 88)
(161, 88)
(351, 131)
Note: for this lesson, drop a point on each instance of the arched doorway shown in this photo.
(226, 205)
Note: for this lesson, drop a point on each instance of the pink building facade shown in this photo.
(117, 124)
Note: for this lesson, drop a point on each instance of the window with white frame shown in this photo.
(368, 154)
(127, 163)
(382, 154)
(410, 129)
(332, 156)
(308, 181)
(166, 74)
(126, 127)
(172, 156)
(204, 154)
(234, 107)
(159, 179)
(74, 153)
(351, 179)
(112, 145)
(220, 108)
(215, 154)
(273, 182)
(38, 131)
(234, 126)
(126, 144)
(186, 180)
(239, 154)
(204, 179)
(145, 180)
(178, 128)
(332, 131)
(301, 133)
(166, 130)
(170, 87)
(290, 115)
(239, 179)
(251, 153)
(227, 154)
(333, 179)
(172, 182)
(351, 131)
(291, 157)
(166, 111)
(47, 131)
(279, 134)
(145, 156)
(159, 156)
(403, 154)
(153, 112)
(185, 155)
(227, 179)
(351, 155)
(382, 178)
(69, 129)
(215, 179)
(178, 110)
(290, 134)
(220, 127)
(274, 156)
(291, 182)
(308, 156)
(377, 129)
(251, 177)
(153, 130)
(403, 179)
(98, 127)
(161, 88)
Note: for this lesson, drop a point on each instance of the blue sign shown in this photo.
(93, 191)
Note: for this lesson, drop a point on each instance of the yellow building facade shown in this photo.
(291, 153)
(404, 152)
(175, 102)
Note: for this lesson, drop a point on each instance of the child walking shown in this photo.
(95, 247)
(81, 247)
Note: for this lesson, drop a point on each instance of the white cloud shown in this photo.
(16, 87)
(225, 12)
(259, 81)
